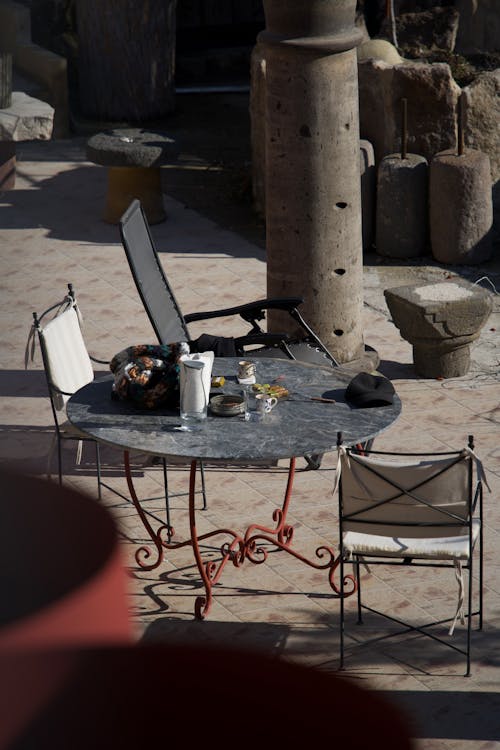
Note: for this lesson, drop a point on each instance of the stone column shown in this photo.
(313, 194)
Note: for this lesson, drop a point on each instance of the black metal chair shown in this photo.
(412, 509)
(170, 324)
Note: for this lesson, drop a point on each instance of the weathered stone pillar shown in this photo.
(313, 195)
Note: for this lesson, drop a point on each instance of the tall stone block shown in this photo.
(402, 229)
(461, 207)
(368, 174)
(313, 194)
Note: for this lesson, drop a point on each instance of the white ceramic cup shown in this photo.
(265, 403)
(246, 371)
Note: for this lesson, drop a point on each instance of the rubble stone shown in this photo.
(432, 96)
(435, 28)
(27, 119)
(482, 117)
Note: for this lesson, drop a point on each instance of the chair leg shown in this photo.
(480, 626)
(59, 458)
(314, 461)
(50, 454)
(358, 592)
(167, 500)
(98, 469)
(469, 616)
(342, 613)
(203, 491)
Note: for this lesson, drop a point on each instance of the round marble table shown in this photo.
(297, 426)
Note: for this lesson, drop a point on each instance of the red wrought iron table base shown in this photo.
(240, 547)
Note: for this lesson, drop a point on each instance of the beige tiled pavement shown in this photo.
(51, 234)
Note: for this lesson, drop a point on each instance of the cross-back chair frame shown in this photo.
(469, 522)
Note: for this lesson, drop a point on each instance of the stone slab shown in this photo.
(27, 119)
(131, 147)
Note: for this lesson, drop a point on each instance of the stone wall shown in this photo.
(46, 69)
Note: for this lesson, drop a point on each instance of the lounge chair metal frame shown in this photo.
(170, 324)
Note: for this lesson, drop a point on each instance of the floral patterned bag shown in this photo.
(148, 374)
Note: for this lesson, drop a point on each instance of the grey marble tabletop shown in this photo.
(297, 426)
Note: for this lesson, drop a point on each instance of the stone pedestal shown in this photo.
(440, 320)
(313, 194)
(134, 158)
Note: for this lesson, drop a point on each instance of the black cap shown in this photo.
(370, 390)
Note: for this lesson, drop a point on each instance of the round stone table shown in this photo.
(133, 157)
(297, 426)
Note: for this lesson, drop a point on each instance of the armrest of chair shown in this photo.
(267, 339)
(251, 311)
(99, 361)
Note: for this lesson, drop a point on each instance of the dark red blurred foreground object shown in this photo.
(62, 586)
(182, 696)
(69, 682)
(62, 581)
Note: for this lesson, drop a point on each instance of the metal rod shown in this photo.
(460, 126)
(390, 13)
(404, 127)
(214, 89)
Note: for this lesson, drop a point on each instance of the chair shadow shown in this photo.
(268, 637)
(28, 449)
(20, 383)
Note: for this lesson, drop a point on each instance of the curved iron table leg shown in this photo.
(241, 547)
(248, 547)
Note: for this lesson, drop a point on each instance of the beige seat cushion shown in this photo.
(440, 548)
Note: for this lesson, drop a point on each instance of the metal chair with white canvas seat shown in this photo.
(68, 367)
(413, 509)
